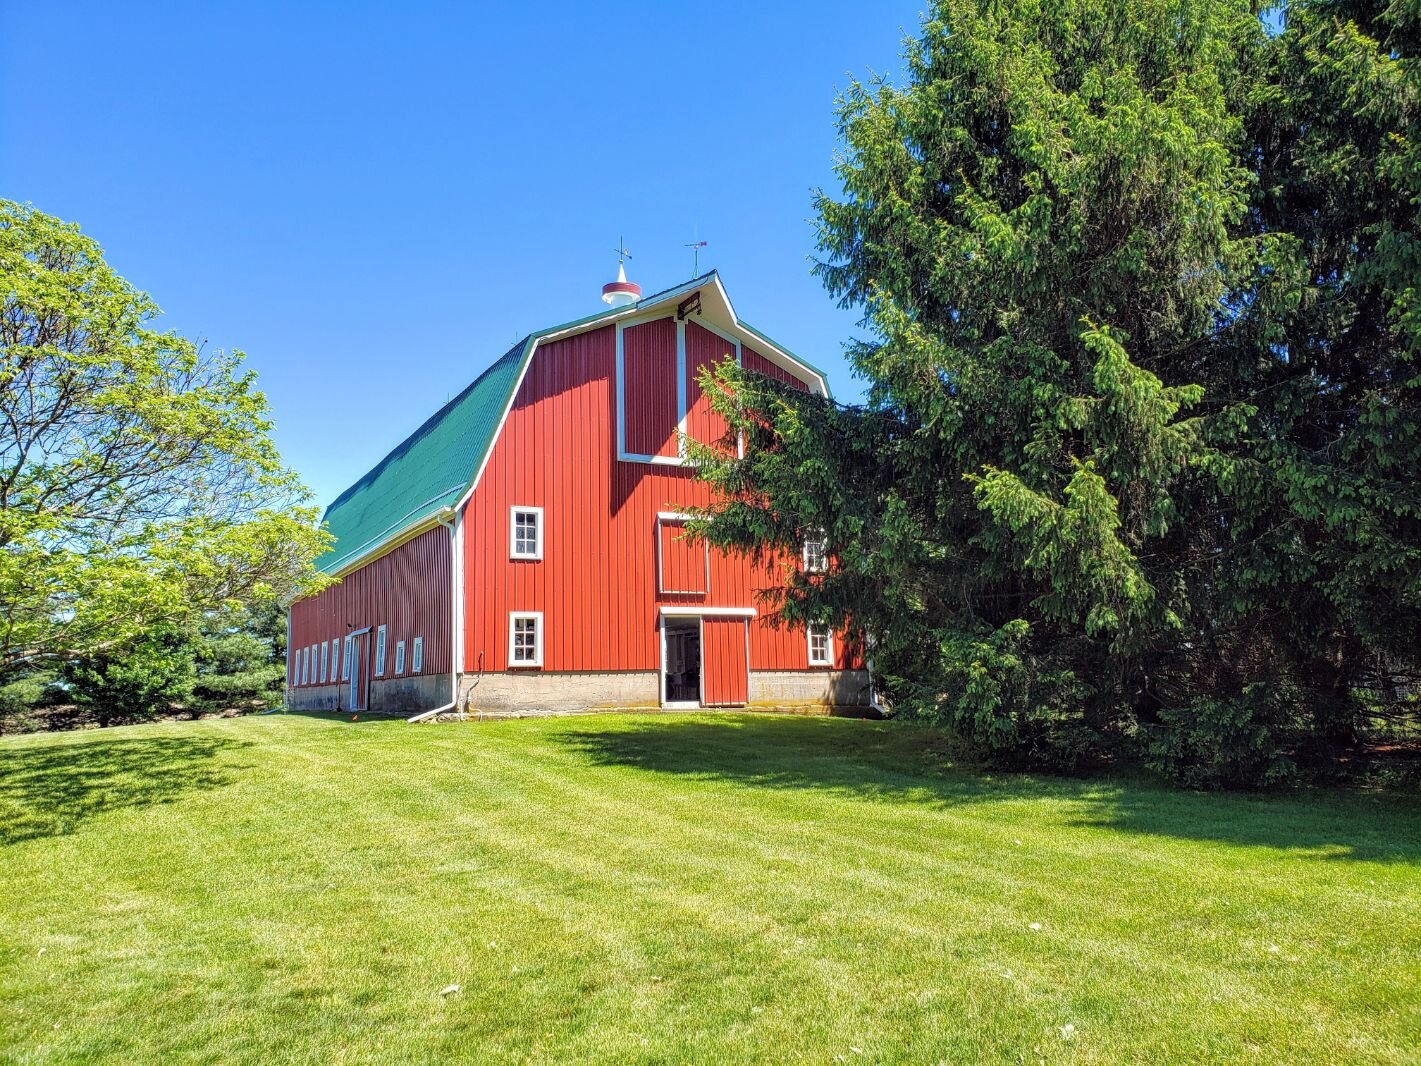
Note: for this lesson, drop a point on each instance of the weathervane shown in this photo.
(622, 253)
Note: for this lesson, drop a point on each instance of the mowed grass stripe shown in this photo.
(702, 888)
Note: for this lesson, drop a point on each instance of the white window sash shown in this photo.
(827, 659)
(417, 656)
(817, 561)
(514, 551)
(345, 660)
(514, 617)
(380, 652)
(399, 657)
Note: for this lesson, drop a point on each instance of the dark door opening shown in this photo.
(682, 660)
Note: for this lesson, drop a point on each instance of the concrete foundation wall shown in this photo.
(317, 697)
(388, 695)
(802, 688)
(543, 692)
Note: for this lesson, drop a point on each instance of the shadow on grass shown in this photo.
(897, 763)
(50, 791)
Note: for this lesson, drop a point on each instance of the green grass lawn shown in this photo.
(708, 888)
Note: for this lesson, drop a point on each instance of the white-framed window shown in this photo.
(821, 646)
(417, 655)
(399, 657)
(816, 556)
(305, 656)
(525, 532)
(380, 652)
(525, 638)
(325, 660)
(335, 657)
(345, 659)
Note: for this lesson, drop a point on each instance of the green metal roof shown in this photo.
(432, 467)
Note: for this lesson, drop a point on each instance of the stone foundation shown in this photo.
(809, 689)
(388, 695)
(534, 692)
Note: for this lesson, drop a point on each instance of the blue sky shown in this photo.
(374, 201)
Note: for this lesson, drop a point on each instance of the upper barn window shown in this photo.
(525, 532)
(815, 555)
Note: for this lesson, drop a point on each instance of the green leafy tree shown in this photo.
(1141, 430)
(139, 486)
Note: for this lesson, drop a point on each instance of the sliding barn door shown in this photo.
(725, 654)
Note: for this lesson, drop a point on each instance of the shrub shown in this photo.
(136, 681)
(1006, 703)
(1213, 743)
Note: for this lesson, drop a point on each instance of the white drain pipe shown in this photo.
(450, 519)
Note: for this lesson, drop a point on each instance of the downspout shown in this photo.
(875, 702)
(452, 520)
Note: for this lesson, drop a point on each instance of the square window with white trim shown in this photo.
(525, 638)
(399, 657)
(525, 533)
(816, 555)
(821, 646)
(380, 652)
(417, 655)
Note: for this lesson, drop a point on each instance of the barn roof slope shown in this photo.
(433, 467)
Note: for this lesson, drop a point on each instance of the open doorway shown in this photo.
(359, 680)
(681, 662)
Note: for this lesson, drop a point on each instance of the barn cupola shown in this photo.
(621, 293)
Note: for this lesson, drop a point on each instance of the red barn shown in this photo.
(523, 550)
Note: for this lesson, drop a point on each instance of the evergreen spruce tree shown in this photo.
(1137, 471)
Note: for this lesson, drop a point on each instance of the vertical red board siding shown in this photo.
(725, 662)
(703, 348)
(406, 590)
(753, 360)
(685, 564)
(649, 383)
(596, 584)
